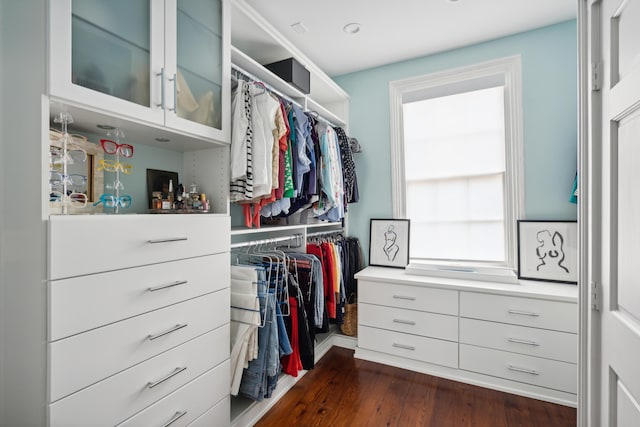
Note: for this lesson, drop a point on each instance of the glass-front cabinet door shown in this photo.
(165, 62)
(197, 59)
(109, 55)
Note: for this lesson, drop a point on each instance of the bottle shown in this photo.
(170, 195)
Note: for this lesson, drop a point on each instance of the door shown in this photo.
(108, 54)
(198, 67)
(618, 213)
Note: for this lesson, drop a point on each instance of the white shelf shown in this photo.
(256, 42)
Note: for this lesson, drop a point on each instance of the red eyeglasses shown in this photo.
(112, 147)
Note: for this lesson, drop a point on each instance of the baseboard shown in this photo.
(473, 378)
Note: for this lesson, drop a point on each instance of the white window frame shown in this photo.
(507, 69)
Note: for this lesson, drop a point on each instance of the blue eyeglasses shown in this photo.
(111, 201)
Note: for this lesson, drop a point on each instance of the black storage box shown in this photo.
(292, 72)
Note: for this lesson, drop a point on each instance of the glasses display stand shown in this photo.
(62, 184)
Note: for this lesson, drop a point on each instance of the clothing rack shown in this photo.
(236, 70)
(296, 236)
(324, 233)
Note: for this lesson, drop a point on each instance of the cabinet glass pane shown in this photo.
(110, 47)
(199, 52)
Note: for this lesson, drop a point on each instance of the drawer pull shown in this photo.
(524, 313)
(404, 322)
(152, 384)
(167, 285)
(404, 297)
(405, 347)
(175, 418)
(167, 240)
(167, 332)
(515, 340)
(526, 371)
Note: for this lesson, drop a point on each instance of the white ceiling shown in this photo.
(392, 31)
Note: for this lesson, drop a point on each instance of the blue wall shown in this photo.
(549, 68)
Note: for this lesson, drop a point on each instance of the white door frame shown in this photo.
(588, 191)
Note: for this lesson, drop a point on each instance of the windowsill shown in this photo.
(476, 273)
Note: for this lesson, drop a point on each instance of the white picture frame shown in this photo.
(548, 251)
(389, 243)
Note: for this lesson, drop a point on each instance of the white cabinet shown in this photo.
(158, 62)
(134, 334)
(543, 352)
(516, 338)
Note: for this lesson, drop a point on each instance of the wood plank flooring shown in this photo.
(343, 391)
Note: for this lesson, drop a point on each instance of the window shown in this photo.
(457, 164)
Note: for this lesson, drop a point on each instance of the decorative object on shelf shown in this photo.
(158, 181)
(65, 187)
(389, 243)
(548, 251)
(114, 147)
(292, 72)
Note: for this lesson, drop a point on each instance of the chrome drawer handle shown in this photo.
(405, 347)
(152, 384)
(167, 285)
(167, 332)
(167, 240)
(175, 418)
(404, 322)
(524, 313)
(526, 371)
(515, 340)
(404, 297)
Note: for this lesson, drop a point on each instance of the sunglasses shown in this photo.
(78, 200)
(57, 179)
(113, 166)
(111, 201)
(112, 147)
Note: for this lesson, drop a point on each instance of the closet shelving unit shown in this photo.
(255, 42)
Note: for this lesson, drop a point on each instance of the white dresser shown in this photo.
(516, 338)
(138, 320)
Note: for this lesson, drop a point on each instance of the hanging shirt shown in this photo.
(263, 111)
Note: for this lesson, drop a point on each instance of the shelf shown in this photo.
(256, 42)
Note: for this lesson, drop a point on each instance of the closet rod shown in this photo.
(269, 88)
(255, 79)
(325, 233)
(296, 236)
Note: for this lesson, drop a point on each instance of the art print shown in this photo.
(389, 243)
(548, 250)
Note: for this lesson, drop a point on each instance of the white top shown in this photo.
(525, 288)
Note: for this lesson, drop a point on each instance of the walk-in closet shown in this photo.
(240, 213)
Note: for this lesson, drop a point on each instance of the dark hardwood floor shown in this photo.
(343, 391)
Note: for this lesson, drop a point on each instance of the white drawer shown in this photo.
(432, 325)
(115, 399)
(420, 298)
(517, 367)
(188, 403)
(555, 345)
(84, 359)
(424, 349)
(89, 244)
(218, 416)
(555, 315)
(83, 303)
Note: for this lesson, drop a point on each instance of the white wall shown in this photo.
(22, 237)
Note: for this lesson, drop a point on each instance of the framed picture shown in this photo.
(158, 180)
(548, 250)
(389, 243)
